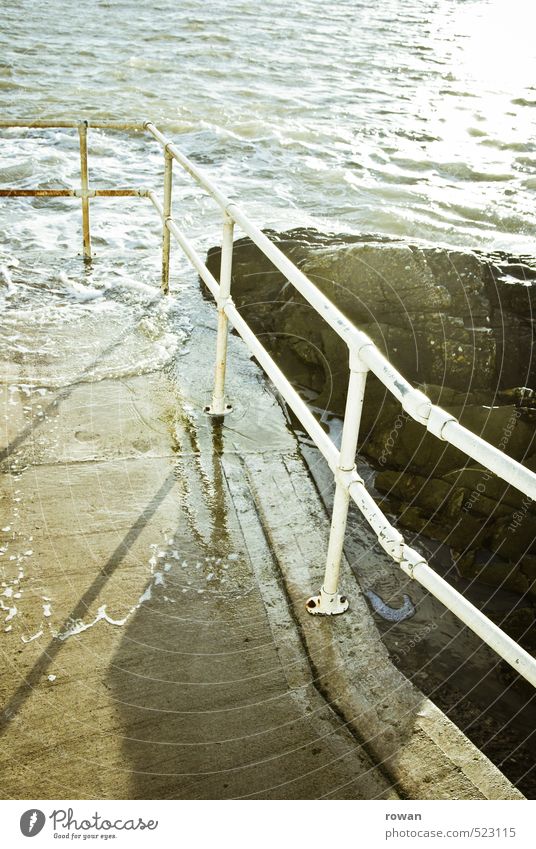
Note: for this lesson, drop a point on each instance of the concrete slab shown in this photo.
(154, 570)
(425, 754)
(148, 646)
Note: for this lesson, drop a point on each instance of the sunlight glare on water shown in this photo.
(414, 119)
(499, 49)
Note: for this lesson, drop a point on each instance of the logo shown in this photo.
(31, 822)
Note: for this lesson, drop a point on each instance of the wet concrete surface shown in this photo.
(479, 691)
(155, 566)
(139, 657)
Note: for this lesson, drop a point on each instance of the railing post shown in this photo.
(329, 601)
(166, 235)
(219, 408)
(84, 185)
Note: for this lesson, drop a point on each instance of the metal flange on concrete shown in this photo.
(327, 604)
(210, 411)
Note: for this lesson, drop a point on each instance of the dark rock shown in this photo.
(459, 325)
(444, 316)
(497, 573)
(519, 625)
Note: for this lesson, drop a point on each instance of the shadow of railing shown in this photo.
(54, 646)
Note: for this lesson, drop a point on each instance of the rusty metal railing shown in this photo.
(84, 192)
(364, 356)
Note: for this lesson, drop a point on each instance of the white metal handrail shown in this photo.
(364, 356)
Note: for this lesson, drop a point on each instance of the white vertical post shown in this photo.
(166, 235)
(218, 407)
(84, 185)
(329, 601)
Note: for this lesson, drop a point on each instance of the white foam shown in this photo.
(78, 627)
(146, 596)
(35, 637)
(8, 280)
(11, 615)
